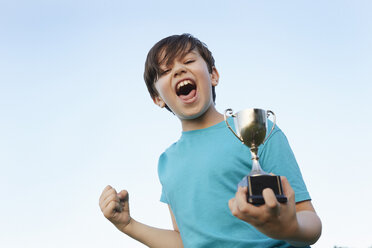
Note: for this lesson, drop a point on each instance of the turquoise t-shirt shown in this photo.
(199, 175)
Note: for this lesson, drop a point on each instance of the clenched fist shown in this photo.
(115, 206)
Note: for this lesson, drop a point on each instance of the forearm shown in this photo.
(309, 229)
(151, 236)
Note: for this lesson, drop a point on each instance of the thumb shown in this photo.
(123, 195)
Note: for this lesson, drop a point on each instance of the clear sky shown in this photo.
(75, 114)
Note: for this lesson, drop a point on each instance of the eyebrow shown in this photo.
(181, 56)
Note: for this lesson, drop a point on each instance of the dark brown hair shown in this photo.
(166, 50)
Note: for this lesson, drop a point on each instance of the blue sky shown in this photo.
(75, 114)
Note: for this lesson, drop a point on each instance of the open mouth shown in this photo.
(186, 89)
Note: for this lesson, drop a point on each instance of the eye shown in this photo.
(189, 61)
(165, 71)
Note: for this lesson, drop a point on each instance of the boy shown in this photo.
(199, 172)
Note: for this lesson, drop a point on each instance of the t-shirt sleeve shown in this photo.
(163, 197)
(161, 171)
(276, 156)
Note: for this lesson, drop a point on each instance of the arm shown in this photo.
(297, 224)
(309, 225)
(175, 227)
(115, 207)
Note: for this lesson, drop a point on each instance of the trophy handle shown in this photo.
(229, 112)
(269, 112)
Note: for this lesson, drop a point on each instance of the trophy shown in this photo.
(251, 127)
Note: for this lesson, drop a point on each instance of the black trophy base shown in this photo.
(257, 183)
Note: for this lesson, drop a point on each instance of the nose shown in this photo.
(179, 70)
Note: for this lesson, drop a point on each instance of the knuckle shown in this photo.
(112, 197)
(107, 188)
(108, 211)
(244, 208)
(291, 195)
(271, 205)
(107, 214)
(235, 212)
(111, 191)
(263, 220)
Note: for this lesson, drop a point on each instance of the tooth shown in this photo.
(183, 83)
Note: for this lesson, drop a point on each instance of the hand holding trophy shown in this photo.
(251, 127)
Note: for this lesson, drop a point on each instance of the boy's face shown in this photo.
(185, 86)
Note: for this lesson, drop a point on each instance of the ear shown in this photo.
(158, 101)
(215, 76)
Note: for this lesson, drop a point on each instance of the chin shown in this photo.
(189, 117)
(192, 115)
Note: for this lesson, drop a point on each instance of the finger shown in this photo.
(107, 197)
(123, 201)
(241, 201)
(234, 202)
(108, 190)
(233, 208)
(241, 209)
(241, 197)
(101, 198)
(231, 203)
(108, 200)
(123, 198)
(287, 189)
(271, 204)
(119, 207)
(108, 211)
(270, 198)
(242, 191)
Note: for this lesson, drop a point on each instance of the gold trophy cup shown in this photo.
(251, 128)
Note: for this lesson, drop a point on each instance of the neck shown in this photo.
(209, 118)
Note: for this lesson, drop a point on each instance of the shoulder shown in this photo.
(274, 130)
(167, 154)
(169, 150)
(276, 142)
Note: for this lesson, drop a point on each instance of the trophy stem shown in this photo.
(256, 168)
(254, 151)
